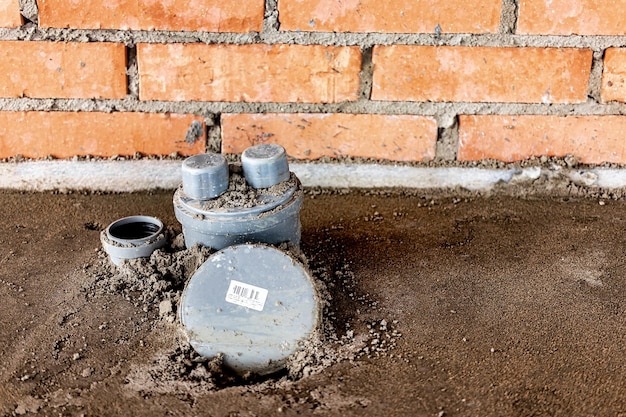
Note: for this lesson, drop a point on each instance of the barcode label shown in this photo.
(246, 295)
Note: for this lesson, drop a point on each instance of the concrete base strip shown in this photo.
(152, 174)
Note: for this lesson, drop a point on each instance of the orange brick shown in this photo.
(64, 134)
(614, 75)
(568, 17)
(62, 70)
(261, 73)
(481, 74)
(592, 139)
(176, 15)
(10, 16)
(312, 136)
(398, 16)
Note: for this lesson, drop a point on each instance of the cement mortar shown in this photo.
(534, 177)
(29, 9)
(508, 17)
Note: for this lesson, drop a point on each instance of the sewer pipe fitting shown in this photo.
(265, 165)
(205, 176)
(273, 218)
(133, 237)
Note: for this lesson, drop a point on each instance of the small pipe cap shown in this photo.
(265, 165)
(205, 176)
(133, 237)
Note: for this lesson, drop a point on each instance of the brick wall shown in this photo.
(399, 80)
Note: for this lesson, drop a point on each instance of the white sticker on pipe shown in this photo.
(246, 295)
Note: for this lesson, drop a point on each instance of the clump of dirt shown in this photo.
(241, 195)
(149, 281)
(323, 350)
(180, 370)
(155, 284)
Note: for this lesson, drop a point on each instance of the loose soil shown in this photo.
(438, 306)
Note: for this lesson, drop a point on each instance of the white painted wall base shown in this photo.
(151, 174)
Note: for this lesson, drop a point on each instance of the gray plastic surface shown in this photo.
(274, 221)
(265, 165)
(205, 176)
(252, 303)
(133, 237)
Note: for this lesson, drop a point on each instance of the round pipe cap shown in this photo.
(205, 176)
(252, 303)
(265, 165)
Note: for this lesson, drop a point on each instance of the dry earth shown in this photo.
(437, 307)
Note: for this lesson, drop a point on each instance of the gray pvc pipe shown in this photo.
(265, 165)
(205, 176)
(133, 237)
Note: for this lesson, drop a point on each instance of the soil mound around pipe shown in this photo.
(155, 285)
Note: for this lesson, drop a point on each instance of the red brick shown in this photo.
(397, 16)
(481, 74)
(62, 70)
(312, 136)
(591, 139)
(254, 73)
(10, 16)
(567, 17)
(614, 76)
(64, 134)
(176, 15)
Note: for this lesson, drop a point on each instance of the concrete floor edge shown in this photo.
(126, 176)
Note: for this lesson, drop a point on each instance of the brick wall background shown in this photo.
(402, 80)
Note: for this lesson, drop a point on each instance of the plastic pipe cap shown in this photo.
(133, 237)
(265, 165)
(252, 303)
(205, 176)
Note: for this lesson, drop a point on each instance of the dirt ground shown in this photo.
(446, 307)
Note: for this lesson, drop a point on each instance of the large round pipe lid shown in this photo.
(265, 165)
(254, 304)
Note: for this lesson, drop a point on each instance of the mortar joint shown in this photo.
(508, 17)
(271, 23)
